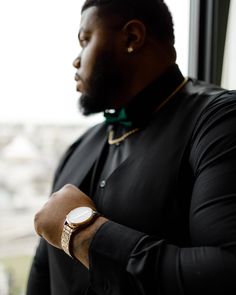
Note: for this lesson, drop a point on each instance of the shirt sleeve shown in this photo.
(39, 277)
(125, 261)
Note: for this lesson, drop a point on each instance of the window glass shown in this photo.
(180, 11)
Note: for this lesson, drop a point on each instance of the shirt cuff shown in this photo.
(109, 253)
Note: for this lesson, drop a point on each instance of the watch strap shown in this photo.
(67, 233)
(65, 238)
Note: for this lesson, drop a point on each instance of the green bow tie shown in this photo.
(118, 117)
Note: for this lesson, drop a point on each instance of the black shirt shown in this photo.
(169, 191)
(139, 112)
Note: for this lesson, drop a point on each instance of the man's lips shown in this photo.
(77, 77)
(79, 83)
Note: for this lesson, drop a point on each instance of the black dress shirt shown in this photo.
(139, 112)
(169, 191)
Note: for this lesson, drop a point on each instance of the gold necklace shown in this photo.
(119, 139)
(124, 136)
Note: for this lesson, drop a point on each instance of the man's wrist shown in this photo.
(82, 240)
(77, 219)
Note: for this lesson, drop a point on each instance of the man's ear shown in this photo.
(135, 35)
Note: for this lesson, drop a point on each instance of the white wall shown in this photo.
(229, 68)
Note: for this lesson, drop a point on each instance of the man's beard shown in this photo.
(102, 88)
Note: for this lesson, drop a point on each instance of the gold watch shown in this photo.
(76, 219)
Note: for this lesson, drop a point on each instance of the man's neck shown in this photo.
(143, 105)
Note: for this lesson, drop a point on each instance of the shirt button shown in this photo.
(102, 184)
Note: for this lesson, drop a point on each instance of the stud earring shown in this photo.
(130, 49)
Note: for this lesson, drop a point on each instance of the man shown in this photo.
(145, 202)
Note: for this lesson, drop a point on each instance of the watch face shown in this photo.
(79, 215)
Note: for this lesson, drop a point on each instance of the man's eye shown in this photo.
(83, 42)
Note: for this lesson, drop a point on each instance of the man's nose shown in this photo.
(76, 62)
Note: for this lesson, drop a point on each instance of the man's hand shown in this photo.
(50, 219)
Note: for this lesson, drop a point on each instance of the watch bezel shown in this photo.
(85, 221)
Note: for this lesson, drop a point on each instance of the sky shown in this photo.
(38, 46)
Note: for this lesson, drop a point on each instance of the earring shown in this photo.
(130, 49)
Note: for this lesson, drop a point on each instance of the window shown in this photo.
(229, 66)
(180, 12)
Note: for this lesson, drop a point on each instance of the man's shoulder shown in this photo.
(204, 89)
(218, 111)
(213, 95)
(93, 131)
(202, 96)
(91, 137)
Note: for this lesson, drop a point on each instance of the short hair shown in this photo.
(153, 13)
